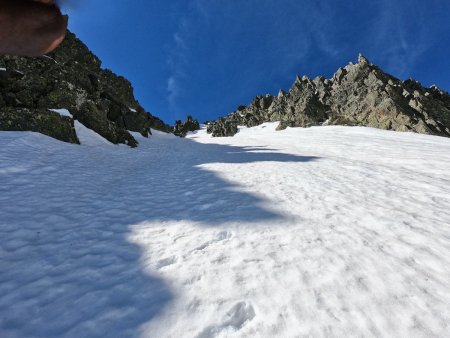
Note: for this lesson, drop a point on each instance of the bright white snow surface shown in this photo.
(62, 112)
(320, 232)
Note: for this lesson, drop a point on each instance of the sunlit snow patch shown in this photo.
(324, 231)
(62, 112)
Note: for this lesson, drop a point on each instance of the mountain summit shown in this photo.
(358, 95)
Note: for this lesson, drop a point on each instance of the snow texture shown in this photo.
(320, 232)
(62, 112)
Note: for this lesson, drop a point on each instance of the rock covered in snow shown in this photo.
(71, 77)
(358, 94)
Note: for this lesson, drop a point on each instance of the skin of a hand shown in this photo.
(30, 27)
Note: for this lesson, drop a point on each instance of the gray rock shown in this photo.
(357, 95)
(223, 128)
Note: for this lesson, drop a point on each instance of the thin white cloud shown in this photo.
(400, 41)
(281, 38)
(287, 37)
(173, 92)
(177, 61)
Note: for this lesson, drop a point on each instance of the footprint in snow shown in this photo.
(207, 206)
(235, 319)
(221, 236)
(224, 235)
(166, 262)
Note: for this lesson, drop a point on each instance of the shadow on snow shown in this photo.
(67, 266)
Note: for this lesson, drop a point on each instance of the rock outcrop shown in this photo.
(182, 128)
(39, 120)
(358, 95)
(71, 77)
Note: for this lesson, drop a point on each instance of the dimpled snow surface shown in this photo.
(319, 232)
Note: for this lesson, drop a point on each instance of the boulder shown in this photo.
(223, 128)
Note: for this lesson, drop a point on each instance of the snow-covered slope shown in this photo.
(321, 232)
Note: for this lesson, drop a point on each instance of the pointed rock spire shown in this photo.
(281, 93)
(362, 60)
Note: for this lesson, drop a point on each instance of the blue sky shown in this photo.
(206, 57)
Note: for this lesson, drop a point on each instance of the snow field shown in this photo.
(321, 232)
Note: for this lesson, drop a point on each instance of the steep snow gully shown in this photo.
(321, 232)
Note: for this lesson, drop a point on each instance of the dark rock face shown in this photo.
(181, 129)
(359, 95)
(39, 120)
(158, 124)
(71, 77)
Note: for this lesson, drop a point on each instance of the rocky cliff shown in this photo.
(71, 77)
(358, 95)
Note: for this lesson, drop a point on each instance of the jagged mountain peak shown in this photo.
(362, 60)
(281, 94)
(357, 94)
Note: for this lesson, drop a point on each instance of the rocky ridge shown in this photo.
(357, 95)
(71, 77)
